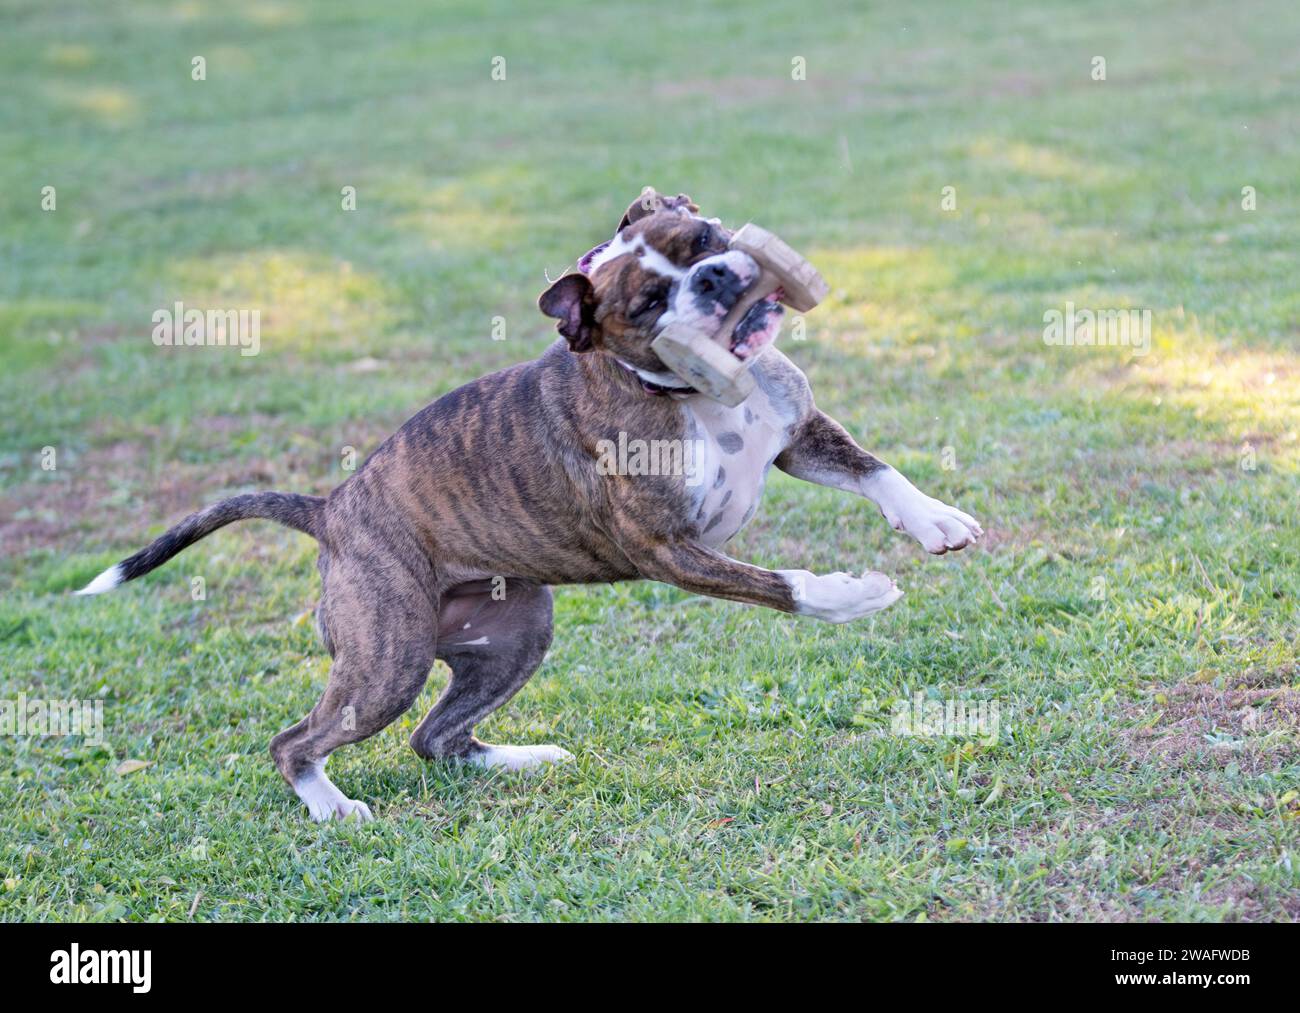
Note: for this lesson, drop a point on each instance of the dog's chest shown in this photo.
(734, 448)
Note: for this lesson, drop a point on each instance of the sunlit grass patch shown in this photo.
(1038, 161)
(70, 55)
(307, 302)
(477, 213)
(109, 105)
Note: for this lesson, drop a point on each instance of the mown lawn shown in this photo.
(1132, 612)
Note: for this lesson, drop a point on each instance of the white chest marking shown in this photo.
(738, 445)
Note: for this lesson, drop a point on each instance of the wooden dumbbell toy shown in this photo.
(706, 362)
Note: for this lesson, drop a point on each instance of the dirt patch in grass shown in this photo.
(1078, 889)
(1242, 902)
(111, 497)
(1201, 725)
(122, 485)
(1075, 898)
(97, 334)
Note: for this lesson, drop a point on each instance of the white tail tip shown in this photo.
(106, 581)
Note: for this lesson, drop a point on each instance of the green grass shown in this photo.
(1132, 611)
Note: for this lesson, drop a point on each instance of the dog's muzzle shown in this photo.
(728, 309)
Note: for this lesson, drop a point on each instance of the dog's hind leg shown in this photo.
(380, 622)
(492, 644)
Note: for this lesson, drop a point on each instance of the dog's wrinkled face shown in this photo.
(665, 265)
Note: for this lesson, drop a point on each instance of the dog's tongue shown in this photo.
(758, 327)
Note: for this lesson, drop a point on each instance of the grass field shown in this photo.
(1132, 612)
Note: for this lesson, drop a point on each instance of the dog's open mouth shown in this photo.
(758, 327)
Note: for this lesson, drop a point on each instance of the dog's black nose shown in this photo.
(716, 280)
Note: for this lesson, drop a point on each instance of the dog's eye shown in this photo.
(650, 302)
(651, 299)
(703, 240)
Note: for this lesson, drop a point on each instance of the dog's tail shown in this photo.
(303, 513)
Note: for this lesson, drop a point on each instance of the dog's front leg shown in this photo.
(836, 598)
(822, 452)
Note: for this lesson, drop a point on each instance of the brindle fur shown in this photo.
(498, 479)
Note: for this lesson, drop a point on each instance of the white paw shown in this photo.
(840, 597)
(519, 757)
(937, 526)
(343, 809)
(325, 802)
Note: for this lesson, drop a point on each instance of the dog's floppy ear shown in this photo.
(569, 301)
(651, 201)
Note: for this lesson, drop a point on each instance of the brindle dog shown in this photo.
(444, 544)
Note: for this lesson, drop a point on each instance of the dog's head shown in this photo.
(665, 264)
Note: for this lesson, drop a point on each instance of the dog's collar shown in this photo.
(652, 383)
